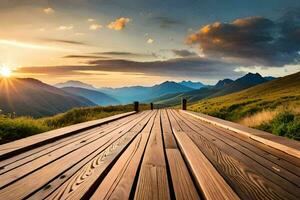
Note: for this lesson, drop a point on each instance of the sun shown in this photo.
(5, 72)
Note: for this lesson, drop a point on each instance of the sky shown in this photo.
(144, 42)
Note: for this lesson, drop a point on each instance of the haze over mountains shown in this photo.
(223, 87)
(34, 98)
(96, 97)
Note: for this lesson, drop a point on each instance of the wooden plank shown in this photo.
(184, 187)
(118, 183)
(239, 172)
(18, 146)
(27, 158)
(286, 145)
(276, 169)
(82, 184)
(277, 156)
(57, 168)
(65, 140)
(168, 136)
(210, 181)
(153, 180)
(285, 160)
(44, 160)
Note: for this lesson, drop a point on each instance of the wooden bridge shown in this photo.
(158, 154)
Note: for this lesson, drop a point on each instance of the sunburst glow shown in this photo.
(5, 71)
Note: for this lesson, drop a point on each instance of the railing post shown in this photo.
(183, 104)
(136, 106)
(151, 106)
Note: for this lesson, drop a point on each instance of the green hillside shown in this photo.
(223, 87)
(281, 95)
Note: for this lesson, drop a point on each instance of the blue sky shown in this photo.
(139, 42)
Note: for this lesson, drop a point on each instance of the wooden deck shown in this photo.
(159, 154)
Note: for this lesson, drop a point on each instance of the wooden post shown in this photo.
(136, 106)
(183, 104)
(151, 106)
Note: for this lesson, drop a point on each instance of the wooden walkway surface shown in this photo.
(159, 154)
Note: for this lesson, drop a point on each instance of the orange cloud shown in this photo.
(252, 40)
(118, 24)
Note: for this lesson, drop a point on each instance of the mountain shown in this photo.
(269, 78)
(97, 97)
(190, 84)
(223, 83)
(143, 94)
(168, 87)
(239, 84)
(77, 84)
(223, 87)
(283, 91)
(35, 98)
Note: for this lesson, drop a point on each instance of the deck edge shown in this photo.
(288, 146)
(12, 148)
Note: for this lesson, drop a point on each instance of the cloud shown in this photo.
(183, 53)
(124, 53)
(119, 24)
(150, 40)
(90, 20)
(95, 27)
(192, 67)
(166, 22)
(49, 10)
(252, 40)
(84, 57)
(64, 28)
(63, 41)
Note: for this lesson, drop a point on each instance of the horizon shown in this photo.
(131, 42)
(150, 85)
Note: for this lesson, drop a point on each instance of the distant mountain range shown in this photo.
(223, 87)
(284, 91)
(141, 93)
(32, 97)
(96, 97)
(77, 84)
(190, 84)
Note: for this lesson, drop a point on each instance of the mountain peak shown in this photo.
(73, 83)
(223, 83)
(191, 84)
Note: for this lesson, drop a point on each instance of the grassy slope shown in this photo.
(16, 128)
(282, 92)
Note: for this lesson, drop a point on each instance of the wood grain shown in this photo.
(119, 181)
(159, 154)
(281, 143)
(210, 181)
(56, 168)
(18, 146)
(285, 175)
(238, 171)
(153, 180)
(169, 140)
(184, 187)
(41, 158)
